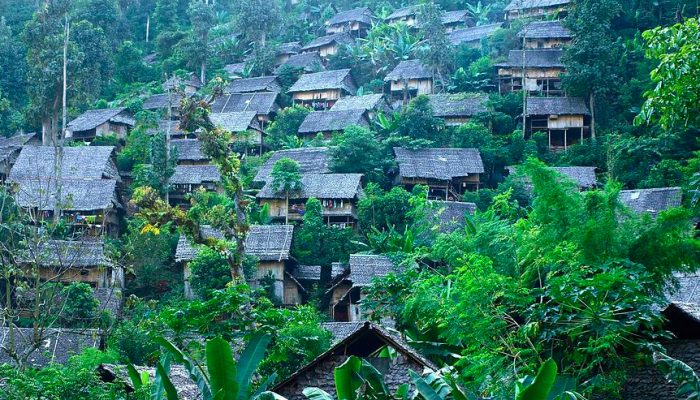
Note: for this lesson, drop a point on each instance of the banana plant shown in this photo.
(224, 378)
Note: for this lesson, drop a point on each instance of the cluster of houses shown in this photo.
(87, 187)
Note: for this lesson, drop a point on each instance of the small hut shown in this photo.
(307, 62)
(356, 22)
(311, 160)
(329, 123)
(189, 178)
(321, 90)
(328, 45)
(472, 36)
(457, 109)
(252, 85)
(286, 50)
(448, 173)
(409, 79)
(566, 120)
(189, 84)
(338, 194)
(94, 123)
(453, 20)
(545, 35)
(406, 15)
(370, 103)
(264, 104)
(542, 77)
(651, 201)
(270, 244)
(245, 127)
(186, 251)
(537, 9)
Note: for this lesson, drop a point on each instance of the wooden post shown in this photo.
(523, 85)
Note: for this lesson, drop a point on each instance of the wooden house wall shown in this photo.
(330, 94)
(278, 208)
(354, 26)
(292, 294)
(547, 43)
(109, 128)
(565, 121)
(423, 86)
(98, 277)
(277, 270)
(533, 73)
(536, 12)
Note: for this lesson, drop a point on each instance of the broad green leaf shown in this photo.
(373, 378)
(194, 370)
(347, 380)
(314, 393)
(265, 385)
(267, 395)
(222, 370)
(161, 374)
(249, 360)
(423, 387)
(170, 391)
(542, 385)
(135, 377)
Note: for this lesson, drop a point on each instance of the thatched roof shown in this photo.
(68, 254)
(309, 62)
(59, 344)
(161, 101)
(91, 119)
(76, 194)
(337, 79)
(312, 160)
(110, 299)
(236, 121)
(545, 30)
(288, 48)
(187, 251)
(374, 102)
(320, 186)
(410, 69)
(175, 82)
(195, 175)
(85, 162)
(249, 85)
(651, 201)
(365, 267)
(163, 125)
(332, 121)
(263, 103)
(438, 163)
(234, 69)
(583, 176)
(473, 34)
(362, 15)
(368, 338)
(541, 58)
(313, 272)
(458, 105)
(403, 13)
(528, 4)
(269, 242)
(341, 330)
(188, 149)
(11, 146)
(455, 17)
(184, 385)
(687, 291)
(336, 38)
(557, 106)
(450, 215)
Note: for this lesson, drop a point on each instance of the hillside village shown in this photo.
(455, 193)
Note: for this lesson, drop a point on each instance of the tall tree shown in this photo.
(437, 51)
(202, 18)
(256, 18)
(591, 59)
(286, 179)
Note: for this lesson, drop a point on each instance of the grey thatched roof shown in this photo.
(455, 17)
(195, 175)
(110, 299)
(236, 121)
(583, 176)
(309, 62)
(337, 79)
(91, 119)
(687, 291)
(557, 106)
(320, 186)
(410, 69)
(58, 346)
(332, 121)
(651, 201)
(403, 12)
(269, 242)
(545, 30)
(438, 163)
(76, 194)
(450, 215)
(188, 149)
(263, 103)
(288, 48)
(313, 272)
(259, 84)
(541, 58)
(234, 69)
(365, 267)
(68, 254)
(85, 162)
(527, 4)
(161, 101)
(12, 145)
(473, 34)
(163, 125)
(312, 160)
(337, 38)
(375, 102)
(174, 82)
(187, 251)
(185, 387)
(341, 330)
(362, 15)
(458, 105)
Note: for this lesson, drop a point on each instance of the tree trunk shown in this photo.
(203, 73)
(286, 211)
(148, 27)
(592, 105)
